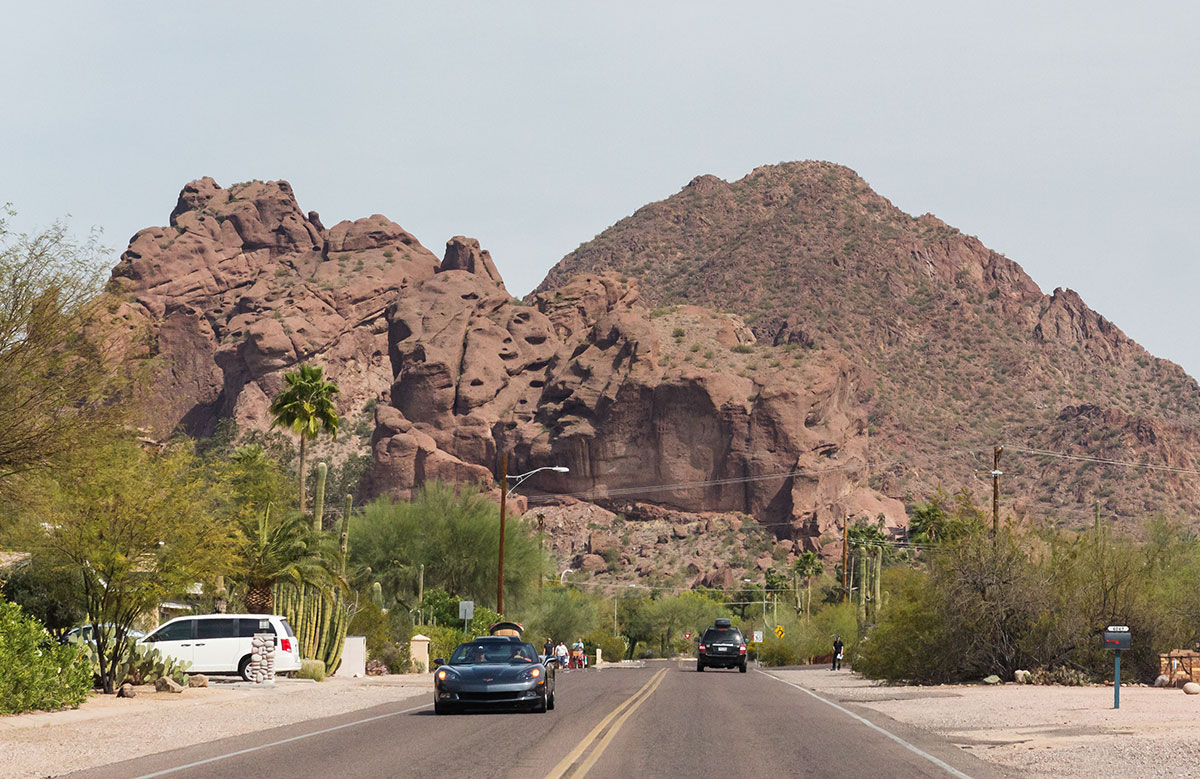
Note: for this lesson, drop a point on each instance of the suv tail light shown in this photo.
(702, 647)
(741, 649)
(285, 644)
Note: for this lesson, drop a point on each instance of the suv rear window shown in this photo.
(723, 636)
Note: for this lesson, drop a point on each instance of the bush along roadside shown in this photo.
(37, 673)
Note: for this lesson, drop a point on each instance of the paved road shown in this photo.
(661, 720)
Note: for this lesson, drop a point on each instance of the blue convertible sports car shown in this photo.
(493, 672)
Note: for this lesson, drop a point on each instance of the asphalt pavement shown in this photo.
(661, 720)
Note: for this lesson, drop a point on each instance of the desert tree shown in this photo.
(56, 378)
(808, 566)
(133, 526)
(305, 406)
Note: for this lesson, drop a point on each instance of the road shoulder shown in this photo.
(108, 730)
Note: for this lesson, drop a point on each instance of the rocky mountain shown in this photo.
(665, 419)
(957, 347)
(727, 373)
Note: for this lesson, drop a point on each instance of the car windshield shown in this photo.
(722, 636)
(475, 653)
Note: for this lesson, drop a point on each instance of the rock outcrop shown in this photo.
(586, 378)
(241, 286)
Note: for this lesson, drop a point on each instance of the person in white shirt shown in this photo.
(560, 652)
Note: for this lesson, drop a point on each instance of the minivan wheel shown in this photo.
(244, 669)
(742, 668)
(699, 666)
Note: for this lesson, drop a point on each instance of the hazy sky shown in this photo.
(1062, 134)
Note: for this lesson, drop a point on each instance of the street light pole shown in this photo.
(503, 504)
(504, 492)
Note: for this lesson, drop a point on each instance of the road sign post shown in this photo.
(1117, 637)
(466, 612)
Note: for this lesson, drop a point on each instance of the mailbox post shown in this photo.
(1116, 637)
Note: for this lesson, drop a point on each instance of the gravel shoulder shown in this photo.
(107, 729)
(1038, 731)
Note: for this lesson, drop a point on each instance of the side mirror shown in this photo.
(438, 662)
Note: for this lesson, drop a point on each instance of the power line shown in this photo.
(601, 494)
(1104, 461)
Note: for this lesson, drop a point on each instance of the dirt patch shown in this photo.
(107, 729)
(1039, 731)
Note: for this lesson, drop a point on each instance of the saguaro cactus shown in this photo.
(320, 616)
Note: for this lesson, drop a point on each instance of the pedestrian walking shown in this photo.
(560, 652)
(837, 653)
(548, 648)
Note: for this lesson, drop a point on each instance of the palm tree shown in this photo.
(305, 406)
(273, 551)
(809, 566)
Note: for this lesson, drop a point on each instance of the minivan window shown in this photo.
(216, 628)
(287, 628)
(248, 626)
(176, 631)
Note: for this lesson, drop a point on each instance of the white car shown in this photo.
(220, 643)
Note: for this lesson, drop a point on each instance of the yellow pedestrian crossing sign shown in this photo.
(779, 630)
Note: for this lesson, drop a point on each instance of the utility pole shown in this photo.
(500, 567)
(542, 545)
(845, 557)
(421, 585)
(996, 474)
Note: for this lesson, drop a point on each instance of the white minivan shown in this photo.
(220, 643)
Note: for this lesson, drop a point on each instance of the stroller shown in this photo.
(578, 659)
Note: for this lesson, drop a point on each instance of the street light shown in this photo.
(523, 476)
(758, 657)
(615, 634)
(504, 493)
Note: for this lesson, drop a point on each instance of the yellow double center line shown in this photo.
(620, 714)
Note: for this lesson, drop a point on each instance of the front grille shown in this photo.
(490, 696)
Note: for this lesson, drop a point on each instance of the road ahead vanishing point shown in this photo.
(661, 720)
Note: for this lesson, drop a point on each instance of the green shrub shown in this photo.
(312, 669)
(35, 671)
(612, 647)
(742, 349)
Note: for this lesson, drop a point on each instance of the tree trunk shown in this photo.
(303, 500)
(862, 585)
(875, 602)
(260, 599)
(808, 599)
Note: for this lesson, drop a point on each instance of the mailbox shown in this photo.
(1116, 637)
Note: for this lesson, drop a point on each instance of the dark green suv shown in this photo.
(721, 646)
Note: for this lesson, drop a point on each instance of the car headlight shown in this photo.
(532, 673)
(442, 674)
